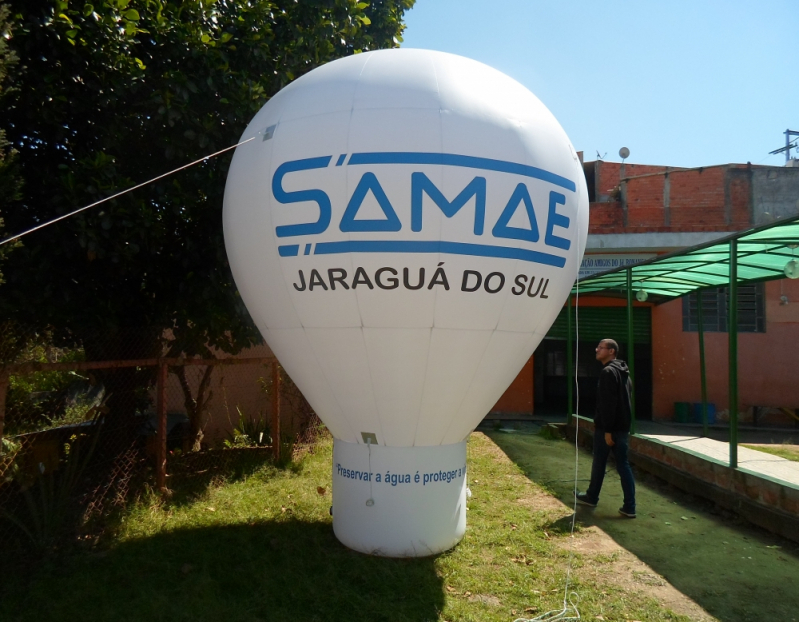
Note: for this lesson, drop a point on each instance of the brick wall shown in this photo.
(697, 199)
(659, 199)
(606, 217)
(645, 204)
(608, 175)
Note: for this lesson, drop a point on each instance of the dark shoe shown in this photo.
(582, 499)
(627, 513)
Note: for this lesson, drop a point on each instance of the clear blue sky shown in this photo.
(679, 83)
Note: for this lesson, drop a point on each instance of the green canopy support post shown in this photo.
(702, 370)
(631, 345)
(569, 360)
(732, 327)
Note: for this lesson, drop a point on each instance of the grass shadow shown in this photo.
(731, 569)
(560, 526)
(270, 570)
(191, 475)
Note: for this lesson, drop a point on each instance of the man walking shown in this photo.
(611, 427)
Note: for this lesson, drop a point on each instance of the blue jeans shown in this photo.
(601, 453)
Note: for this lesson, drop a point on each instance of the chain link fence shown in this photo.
(79, 437)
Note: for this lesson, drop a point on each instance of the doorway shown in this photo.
(549, 362)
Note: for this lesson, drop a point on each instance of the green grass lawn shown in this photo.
(791, 453)
(259, 546)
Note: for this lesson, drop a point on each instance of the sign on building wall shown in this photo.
(593, 264)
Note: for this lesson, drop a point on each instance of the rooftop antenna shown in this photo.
(789, 144)
(624, 153)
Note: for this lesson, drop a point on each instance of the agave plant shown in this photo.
(250, 431)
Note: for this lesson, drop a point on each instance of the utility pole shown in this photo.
(789, 144)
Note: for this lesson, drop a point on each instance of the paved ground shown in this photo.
(750, 459)
(716, 445)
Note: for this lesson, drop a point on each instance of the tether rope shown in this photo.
(119, 194)
(569, 598)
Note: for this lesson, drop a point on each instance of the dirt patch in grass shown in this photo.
(605, 561)
(602, 560)
(691, 557)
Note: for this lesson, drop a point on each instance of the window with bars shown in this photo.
(715, 303)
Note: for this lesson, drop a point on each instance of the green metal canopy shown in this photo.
(761, 255)
(758, 254)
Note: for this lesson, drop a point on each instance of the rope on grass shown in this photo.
(557, 614)
(119, 194)
(569, 598)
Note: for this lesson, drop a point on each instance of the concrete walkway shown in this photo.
(751, 460)
(764, 489)
(715, 446)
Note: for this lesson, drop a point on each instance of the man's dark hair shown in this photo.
(612, 345)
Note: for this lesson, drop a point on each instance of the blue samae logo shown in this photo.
(552, 231)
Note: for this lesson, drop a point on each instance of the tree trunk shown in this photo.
(195, 406)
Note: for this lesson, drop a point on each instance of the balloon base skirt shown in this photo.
(399, 501)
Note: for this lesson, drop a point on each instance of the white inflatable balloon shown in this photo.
(404, 230)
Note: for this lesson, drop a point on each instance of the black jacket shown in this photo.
(613, 397)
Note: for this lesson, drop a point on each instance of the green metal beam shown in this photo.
(759, 253)
(631, 345)
(702, 369)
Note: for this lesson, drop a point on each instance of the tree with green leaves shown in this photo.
(116, 92)
(9, 176)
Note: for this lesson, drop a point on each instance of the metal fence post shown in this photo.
(276, 411)
(160, 406)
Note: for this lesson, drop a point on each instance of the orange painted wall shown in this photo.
(767, 362)
(518, 399)
(716, 198)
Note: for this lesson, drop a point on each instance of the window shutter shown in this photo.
(605, 323)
